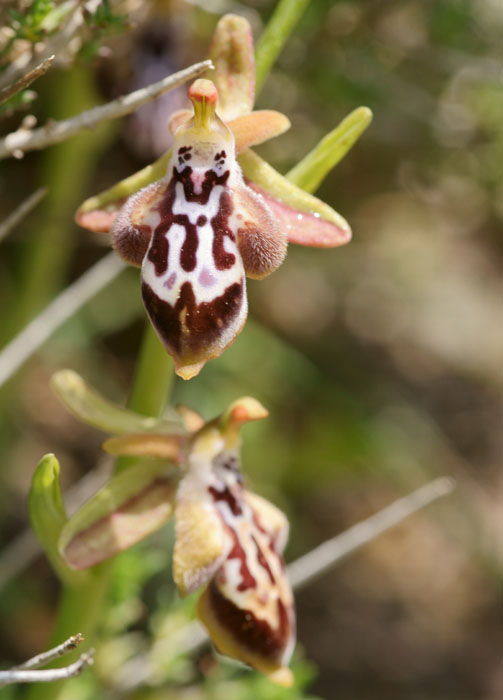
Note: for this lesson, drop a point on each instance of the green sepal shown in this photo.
(48, 517)
(315, 166)
(91, 407)
(128, 508)
(123, 189)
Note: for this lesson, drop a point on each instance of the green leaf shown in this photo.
(277, 31)
(55, 16)
(313, 168)
(91, 407)
(131, 506)
(47, 515)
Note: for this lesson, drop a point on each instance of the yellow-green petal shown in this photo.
(315, 166)
(89, 406)
(48, 516)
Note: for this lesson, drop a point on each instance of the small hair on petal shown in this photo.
(261, 241)
(131, 237)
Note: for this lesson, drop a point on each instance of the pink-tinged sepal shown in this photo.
(232, 54)
(305, 219)
(303, 227)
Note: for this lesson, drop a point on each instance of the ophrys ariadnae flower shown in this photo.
(197, 233)
(211, 212)
(229, 540)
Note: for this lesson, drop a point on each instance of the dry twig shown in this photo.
(319, 560)
(7, 92)
(35, 333)
(23, 140)
(26, 673)
(47, 656)
(22, 210)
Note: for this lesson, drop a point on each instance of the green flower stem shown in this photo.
(153, 376)
(274, 37)
(151, 385)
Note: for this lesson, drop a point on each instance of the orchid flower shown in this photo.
(228, 540)
(211, 212)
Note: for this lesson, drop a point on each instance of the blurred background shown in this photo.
(380, 362)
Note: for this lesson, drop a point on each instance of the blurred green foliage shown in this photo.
(380, 363)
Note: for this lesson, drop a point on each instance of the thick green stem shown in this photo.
(153, 376)
(274, 36)
(151, 384)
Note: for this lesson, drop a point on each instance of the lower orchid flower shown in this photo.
(228, 540)
(211, 212)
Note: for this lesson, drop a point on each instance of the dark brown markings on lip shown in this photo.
(251, 633)
(220, 224)
(210, 180)
(272, 541)
(158, 253)
(227, 497)
(237, 552)
(263, 561)
(203, 323)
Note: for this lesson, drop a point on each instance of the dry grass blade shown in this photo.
(22, 210)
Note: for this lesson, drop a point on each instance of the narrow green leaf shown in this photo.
(285, 17)
(47, 515)
(53, 19)
(91, 407)
(315, 166)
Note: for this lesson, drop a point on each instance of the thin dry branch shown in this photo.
(26, 673)
(47, 656)
(22, 210)
(26, 80)
(24, 140)
(33, 335)
(319, 560)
